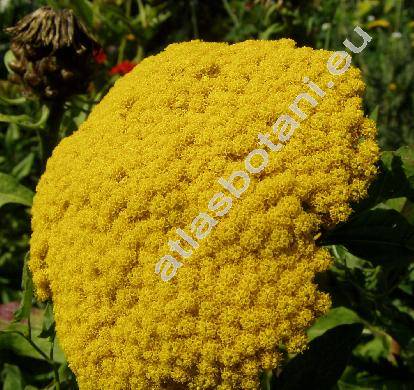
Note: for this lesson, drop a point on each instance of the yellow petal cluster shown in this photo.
(146, 162)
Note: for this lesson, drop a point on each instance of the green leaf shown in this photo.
(84, 9)
(27, 298)
(25, 120)
(381, 236)
(389, 5)
(400, 164)
(17, 119)
(265, 380)
(8, 57)
(357, 378)
(395, 179)
(11, 191)
(396, 204)
(12, 135)
(52, 3)
(41, 122)
(48, 327)
(322, 364)
(271, 31)
(23, 168)
(337, 316)
(397, 324)
(377, 349)
(12, 101)
(12, 378)
(408, 211)
(13, 339)
(374, 113)
(67, 377)
(406, 153)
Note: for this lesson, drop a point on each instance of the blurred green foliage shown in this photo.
(367, 339)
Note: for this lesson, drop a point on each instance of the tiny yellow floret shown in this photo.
(145, 163)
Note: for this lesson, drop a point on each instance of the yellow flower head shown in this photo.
(148, 161)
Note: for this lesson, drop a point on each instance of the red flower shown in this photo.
(100, 56)
(122, 68)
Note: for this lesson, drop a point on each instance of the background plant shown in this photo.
(366, 341)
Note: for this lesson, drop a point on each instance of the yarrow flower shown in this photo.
(144, 163)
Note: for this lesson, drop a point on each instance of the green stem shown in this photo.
(327, 38)
(52, 346)
(49, 136)
(56, 375)
(31, 343)
(140, 54)
(55, 369)
(231, 13)
(399, 14)
(142, 14)
(29, 328)
(193, 5)
(44, 356)
(122, 46)
(121, 50)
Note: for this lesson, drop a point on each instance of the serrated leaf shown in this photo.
(380, 236)
(322, 364)
(11, 191)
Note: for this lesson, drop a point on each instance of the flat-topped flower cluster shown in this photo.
(145, 163)
(282, 130)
